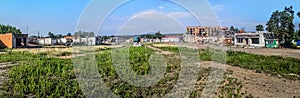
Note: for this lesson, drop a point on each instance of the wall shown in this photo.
(6, 40)
(45, 41)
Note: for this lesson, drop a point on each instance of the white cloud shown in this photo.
(161, 7)
(219, 7)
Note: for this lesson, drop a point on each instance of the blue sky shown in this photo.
(62, 16)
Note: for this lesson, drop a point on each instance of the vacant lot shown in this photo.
(284, 52)
(36, 74)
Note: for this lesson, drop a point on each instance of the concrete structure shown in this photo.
(170, 39)
(252, 39)
(47, 41)
(204, 31)
(89, 41)
(10, 40)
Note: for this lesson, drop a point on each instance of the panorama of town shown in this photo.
(203, 61)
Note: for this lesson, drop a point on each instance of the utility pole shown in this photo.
(27, 29)
(38, 34)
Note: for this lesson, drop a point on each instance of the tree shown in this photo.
(50, 35)
(232, 29)
(9, 29)
(281, 24)
(148, 36)
(84, 34)
(58, 36)
(259, 27)
(69, 34)
(158, 35)
(298, 25)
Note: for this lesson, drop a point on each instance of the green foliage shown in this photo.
(43, 77)
(281, 24)
(234, 30)
(84, 34)
(260, 28)
(51, 35)
(275, 65)
(138, 60)
(18, 56)
(158, 35)
(69, 34)
(9, 29)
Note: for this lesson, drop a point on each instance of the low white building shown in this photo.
(170, 39)
(89, 40)
(251, 39)
(47, 41)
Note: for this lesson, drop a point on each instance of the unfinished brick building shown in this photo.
(203, 30)
(10, 40)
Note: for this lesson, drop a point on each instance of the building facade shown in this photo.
(204, 30)
(10, 40)
(257, 39)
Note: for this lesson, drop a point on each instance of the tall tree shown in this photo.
(281, 24)
(259, 27)
(298, 25)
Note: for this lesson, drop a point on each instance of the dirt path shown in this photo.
(161, 51)
(4, 67)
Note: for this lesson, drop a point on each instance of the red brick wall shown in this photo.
(6, 40)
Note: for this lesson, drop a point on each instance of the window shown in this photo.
(239, 40)
(255, 40)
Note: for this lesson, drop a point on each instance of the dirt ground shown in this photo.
(261, 85)
(284, 52)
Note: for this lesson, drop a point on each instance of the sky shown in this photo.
(136, 16)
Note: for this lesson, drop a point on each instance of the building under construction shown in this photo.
(11, 40)
(204, 31)
(204, 34)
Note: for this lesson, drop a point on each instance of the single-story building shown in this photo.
(170, 39)
(257, 39)
(11, 40)
(47, 41)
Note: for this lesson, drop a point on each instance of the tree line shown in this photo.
(9, 29)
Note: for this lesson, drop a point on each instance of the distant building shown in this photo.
(171, 39)
(204, 34)
(257, 39)
(10, 40)
(204, 30)
(47, 41)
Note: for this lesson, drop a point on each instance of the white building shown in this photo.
(89, 40)
(170, 39)
(251, 39)
(47, 41)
